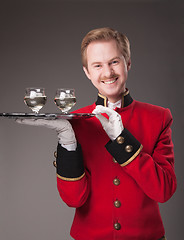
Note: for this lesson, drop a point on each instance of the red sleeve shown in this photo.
(72, 179)
(74, 193)
(155, 173)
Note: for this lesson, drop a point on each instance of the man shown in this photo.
(114, 168)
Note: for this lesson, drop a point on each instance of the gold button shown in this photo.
(116, 181)
(117, 203)
(54, 163)
(117, 226)
(120, 140)
(114, 160)
(55, 154)
(129, 148)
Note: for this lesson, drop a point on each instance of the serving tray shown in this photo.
(48, 116)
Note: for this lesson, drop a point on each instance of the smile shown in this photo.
(110, 81)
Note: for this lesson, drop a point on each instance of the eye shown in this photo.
(115, 62)
(97, 66)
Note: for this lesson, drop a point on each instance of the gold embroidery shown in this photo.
(132, 158)
(70, 179)
(105, 99)
(122, 102)
(126, 92)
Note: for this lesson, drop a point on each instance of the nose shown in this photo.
(108, 71)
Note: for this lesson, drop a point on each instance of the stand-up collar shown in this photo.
(126, 99)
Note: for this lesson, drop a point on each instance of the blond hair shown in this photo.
(105, 34)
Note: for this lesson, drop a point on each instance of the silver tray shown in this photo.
(48, 116)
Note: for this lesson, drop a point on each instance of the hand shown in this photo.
(63, 128)
(112, 126)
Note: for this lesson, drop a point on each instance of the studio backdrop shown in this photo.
(40, 47)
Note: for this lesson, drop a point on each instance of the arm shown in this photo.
(153, 173)
(72, 180)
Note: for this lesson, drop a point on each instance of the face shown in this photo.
(107, 69)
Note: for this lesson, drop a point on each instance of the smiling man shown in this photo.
(107, 68)
(114, 168)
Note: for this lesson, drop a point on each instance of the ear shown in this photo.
(129, 64)
(86, 72)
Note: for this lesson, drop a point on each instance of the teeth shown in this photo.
(109, 82)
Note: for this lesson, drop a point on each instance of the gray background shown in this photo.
(40, 47)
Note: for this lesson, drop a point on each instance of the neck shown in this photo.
(116, 98)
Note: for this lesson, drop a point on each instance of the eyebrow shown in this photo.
(94, 63)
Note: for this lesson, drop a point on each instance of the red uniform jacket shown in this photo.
(115, 186)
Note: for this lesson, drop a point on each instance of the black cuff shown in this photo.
(69, 163)
(124, 148)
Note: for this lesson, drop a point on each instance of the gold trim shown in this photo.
(105, 99)
(126, 92)
(70, 179)
(123, 97)
(132, 158)
(122, 101)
